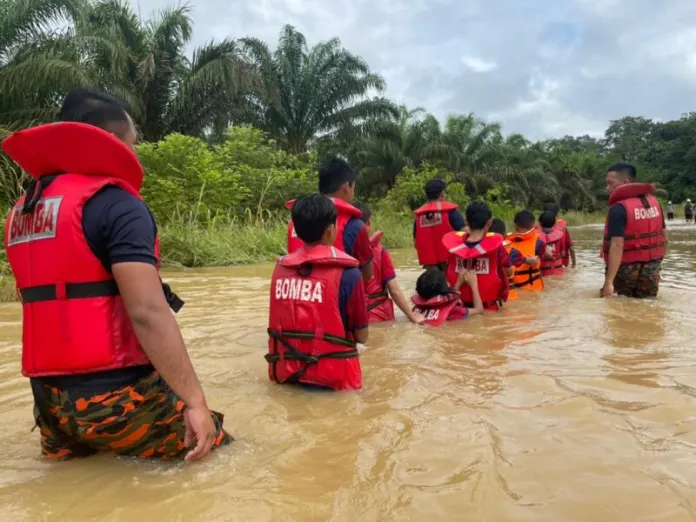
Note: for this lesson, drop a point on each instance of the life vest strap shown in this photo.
(647, 235)
(528, 271)
(43, 293)
(377, 299)
(529, 281)
(294, 355)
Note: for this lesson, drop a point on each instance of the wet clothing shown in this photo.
(517, 259)
(638, 279)
(456, 220)
(356, 242)
(142, 420)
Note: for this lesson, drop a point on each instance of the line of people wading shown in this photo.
(108, 367)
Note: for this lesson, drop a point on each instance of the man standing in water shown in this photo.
(688, 211)
(635, 237)
(108, 366)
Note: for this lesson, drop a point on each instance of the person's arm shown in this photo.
(665, 234)
(471, 279)
(461, 279)
(505, 260)
(571, 251)
(389, 280)
(457, 220)
(357, 242)
(129, 238)
(616, 231)
(357, 312)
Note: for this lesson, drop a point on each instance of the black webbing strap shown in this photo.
(294, 355)
(533, 273)
(380, 298)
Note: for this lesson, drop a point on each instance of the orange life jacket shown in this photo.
(483, 259)
(308, 342)
(554, 239)
(643, 239)
(380, 307)
(437, 309)
(74, 320)
(527, 277)
(512, 294)
(346, 212)
(432, 223)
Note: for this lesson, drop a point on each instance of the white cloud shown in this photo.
(545, 68)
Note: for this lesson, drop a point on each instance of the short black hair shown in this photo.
(524, 219)
(547, 219)
(312, 215)
(366, 212)
(94, 108)
(477, 215)
(555, 208)
(333, 174)
(498, 227)
(624, 168)
(432, 283)
(434, 188)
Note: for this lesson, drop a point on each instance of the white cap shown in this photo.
(669, 202)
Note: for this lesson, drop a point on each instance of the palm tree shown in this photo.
(311, 94)
(168, 92)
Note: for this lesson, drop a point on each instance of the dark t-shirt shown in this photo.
(119, 228)
(618, 219)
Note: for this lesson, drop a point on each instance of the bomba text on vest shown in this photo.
(646, 213)
(298, 289)
(40, 224)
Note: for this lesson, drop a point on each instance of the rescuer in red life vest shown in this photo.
(432, 221)
(99, 343)
(337, 181)
(482, 252)
(437, 302)
(567, 243)
(317, 322)
(554, 239)
(383, 287)
(635, 237)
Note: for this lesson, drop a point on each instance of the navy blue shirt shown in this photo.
(456, 221)
(119, 228)
(351, 301)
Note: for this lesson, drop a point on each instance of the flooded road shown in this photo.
(562, 407)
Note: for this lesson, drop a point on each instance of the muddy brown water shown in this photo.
(562, 407)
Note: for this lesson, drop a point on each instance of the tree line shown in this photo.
(309, 102)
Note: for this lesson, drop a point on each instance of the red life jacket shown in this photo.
(555, 240)
(308, 342)
(483, 259)
(643, 239)
(562, 225)
(74, 320)
(437, 309)
(346, 212)
(380, 307)
(432, 223)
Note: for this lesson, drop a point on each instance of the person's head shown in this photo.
(547, 219)
(478, 216)
(100, 110)
(314, 217)
(366, 213)
(337, 179)
(619, 174)
(435, 190)
(554, 208)
(432, 283)
(669, 202)
(524, 221)
(498, 227)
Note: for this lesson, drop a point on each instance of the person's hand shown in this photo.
(532, 260)
(361, 348)
(607, 290)
(200, 429)
(416, 318)
(470, 278)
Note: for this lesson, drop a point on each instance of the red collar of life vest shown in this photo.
(631, 190)
(376, 238)
(556, 234)
(74, 148)
(434, 302)
(455, 242)
(318, 255)
(562, 224)
(436, 206)
(341, 206)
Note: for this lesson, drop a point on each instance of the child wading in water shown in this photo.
(438, 302)
(382, 286)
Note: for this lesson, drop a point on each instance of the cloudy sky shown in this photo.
(544, 68)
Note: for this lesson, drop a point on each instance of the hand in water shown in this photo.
(361, 348)
(532, 260)
(607, 290)
(200, 429)
(416, 318)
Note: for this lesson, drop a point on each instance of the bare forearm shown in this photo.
(161, 340)
(615, 254)
(460, 281)
(361, 335)
(665, 237)
(478, 303)
(572, 255)
(398, 296)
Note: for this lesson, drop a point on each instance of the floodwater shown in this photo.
(561, 407)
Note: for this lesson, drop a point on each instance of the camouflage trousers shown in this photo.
(144, 420)
(638, 279)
